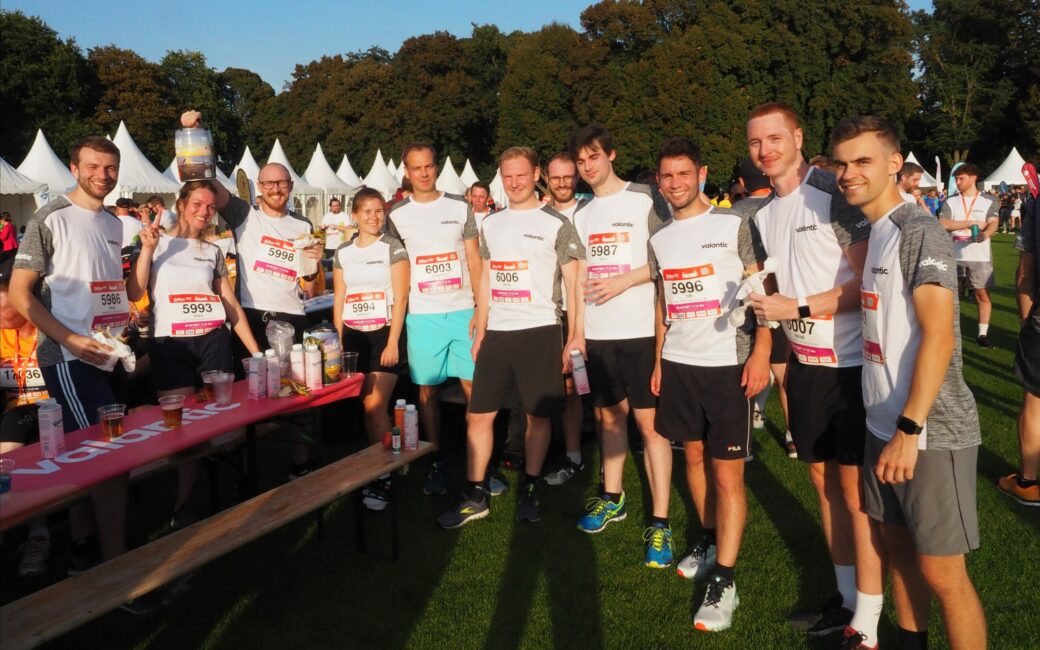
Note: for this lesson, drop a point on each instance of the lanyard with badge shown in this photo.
(965, 235)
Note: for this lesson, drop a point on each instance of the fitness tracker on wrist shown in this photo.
(908, 426)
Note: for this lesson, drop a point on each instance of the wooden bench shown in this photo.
(54, 610)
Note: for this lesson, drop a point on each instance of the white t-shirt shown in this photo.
(77, 253)
(366, 273)
(700, 263)
(615, 230)
(333, 238)
(908, 248)
(569, 214)
(433, 234)
(180, 287)
(131, 229)
(907, 197)
(976, 208)
(268, 264)
(167, 219)
(526, 250)
(807, 231)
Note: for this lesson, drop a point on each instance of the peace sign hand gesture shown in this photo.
(151, 232)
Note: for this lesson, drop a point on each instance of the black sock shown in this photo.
(435, 457)
(660, 521)
(1024, 482)
(709, 536)
(913, 640)
(613, 497)
(477, 491)
(529, 479)
(722, 571)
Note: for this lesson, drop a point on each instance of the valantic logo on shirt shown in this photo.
(201, 259)
(374, 262)
(114, 243)
(23, 256)
(715, 244)
(538, 237)
(450, 222)
(623, 224)
(879, 270)
(805, 228)
(931, 261)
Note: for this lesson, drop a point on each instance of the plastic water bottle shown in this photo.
(296, 364)
(256, 373)
(395, 440)
(579, 373)
(274, 373)
(52, 430)
(399, 408)
(313, 367)
(411, 428)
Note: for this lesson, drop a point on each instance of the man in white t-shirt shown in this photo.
(68, 282)
(820, 243)
(919, 472)
(909, 181)
(336, 225)
(527, 250)
(131, 224)
(440, 234)
(614, 324)
(968, 208)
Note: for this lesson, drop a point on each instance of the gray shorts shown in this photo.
(978, 274)
(938, 506)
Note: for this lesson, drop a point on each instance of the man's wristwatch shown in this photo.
(803, 308)
(908, 426)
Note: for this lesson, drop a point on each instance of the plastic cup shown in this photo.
(350, 363)
(111, 418)
(207, 384)
(172, 410)
(222, 384)
(6, 467)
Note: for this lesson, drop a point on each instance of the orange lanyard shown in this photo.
(21, 368)
(968, 208)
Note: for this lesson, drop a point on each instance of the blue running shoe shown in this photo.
(659, 551)
(601, 512)
(436, 480)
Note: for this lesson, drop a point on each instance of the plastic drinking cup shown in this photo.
(207, 384)
(222, 384)
(111, 417)
(172, 410)
(350, 363)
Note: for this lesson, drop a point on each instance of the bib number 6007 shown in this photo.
(800, 326)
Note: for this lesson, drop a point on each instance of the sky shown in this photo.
(270, 37)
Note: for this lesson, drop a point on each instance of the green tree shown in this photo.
(247, 95)
(45, 83)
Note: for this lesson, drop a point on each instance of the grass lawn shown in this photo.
(495, 584)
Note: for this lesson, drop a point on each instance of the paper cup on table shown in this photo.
(350, 363)
(222, 384)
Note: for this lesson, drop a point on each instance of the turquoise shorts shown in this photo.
(439, 347)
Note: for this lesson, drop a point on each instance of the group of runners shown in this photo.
(661, 294)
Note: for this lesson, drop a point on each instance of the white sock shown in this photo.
(385, 477)
(845, 574)
(983, 329)
(760, 399)
(868, 612)
(789, 438)
(575, 457)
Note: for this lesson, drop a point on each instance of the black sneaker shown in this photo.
(466, 511)
(376, 495)
(528, 508)
(852, 639)
(565, 472)
(83, 556)
(983, 342)
(828, 618)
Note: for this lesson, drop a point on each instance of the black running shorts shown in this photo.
(527, 363)
(619, 370)
(826, 414)
(705, 403)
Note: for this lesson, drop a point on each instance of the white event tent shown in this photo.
(468, 176)
(380, 178)
(347, 174)
(319, 174)
(42, 164)
(18, 193)
(307, 199)
(399, 174)
(498, 191)
(174, 174)
(449, 181)
(927, 180)
(138, 178)
(391, 167)
(1009, 171)
(248, 165)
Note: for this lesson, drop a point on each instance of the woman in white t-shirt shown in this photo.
(186, 280)
(370, 274)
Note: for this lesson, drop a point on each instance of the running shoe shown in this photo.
(720, 601)
(497, 486)
(758, 420)
(792, 451)
(830, 617)
(436, 480)
(659, 550)
(600, 513)
(35, 551)
(699, 562)
(564, 473)
(528, 508)
(1027, 496)
(853, 640)
(376, 495)
(983, 342)
(466, 511)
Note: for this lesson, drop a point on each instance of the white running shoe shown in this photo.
(697, 564)
(720, 601)
(758, 420)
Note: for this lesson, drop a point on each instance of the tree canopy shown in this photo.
(960, 82)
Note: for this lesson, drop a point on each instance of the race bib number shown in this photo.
(870, 303)
(11, 378)
(439, 273)
(510, 281)
(365, 312)
(609, 254)
(276, 258)
(109, 306)
(195, 314)
(692, 292)
(812, 340)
